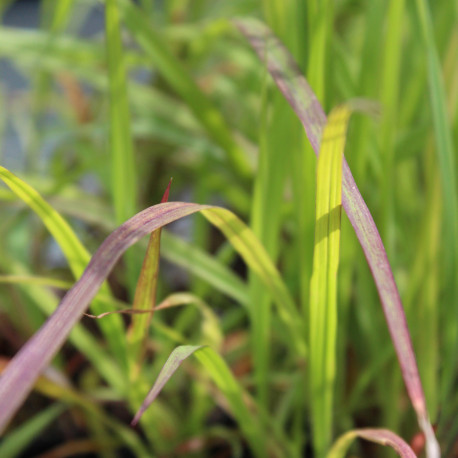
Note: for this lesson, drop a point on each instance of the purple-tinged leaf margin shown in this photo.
(379, 436)
(300, 96)
(20, 375)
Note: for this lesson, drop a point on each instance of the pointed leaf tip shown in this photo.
(171, 365)
(165, 197)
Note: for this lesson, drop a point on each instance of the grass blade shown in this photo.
(171, 365)
(123, 174)
(14, 443)
(225, 381)
(446, 155)
(36, 354)
(123, 169)
(204, 266)
(254, 254)
(77, 256)
(379, 436)
(323, 289)
(145, 298)
(301, 97)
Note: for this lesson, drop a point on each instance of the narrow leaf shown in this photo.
(36, 354)
(122, 157)
(14, 443)
(323, 289)
(145, 297)
(254, 254)
(77, 256)
(296, 90)
(446, 156)
(171, 365)
(223, 378)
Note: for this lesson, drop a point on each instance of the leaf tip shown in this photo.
(165, 197)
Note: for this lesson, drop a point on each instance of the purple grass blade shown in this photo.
(300, 96)
(20, 375)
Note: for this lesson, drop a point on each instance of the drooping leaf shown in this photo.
(254, 254)
(36, 354)
(296, 90)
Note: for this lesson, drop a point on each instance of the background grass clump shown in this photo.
(97, 121)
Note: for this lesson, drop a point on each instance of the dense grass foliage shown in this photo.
(260, 345)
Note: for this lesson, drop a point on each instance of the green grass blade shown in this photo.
(14, 443)
(77, 256)
(123, 173)
(379, 436)
(205, 267)
(323, 288)
(320, 21)
(75, 253)
(255, 255)
(389, 99)
(446, 155)
(61, 14)
(145, 299)
(223, 378)
(266, 218)
(123, 176)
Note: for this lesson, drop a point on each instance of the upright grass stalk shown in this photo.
(390, 382)
(283, 133)
(424, 298)
(123, 174)
(366, 85)
(320, 17)
(145, 299)
(389, 98)
(447, 167)
(266, 221)
(323, 289)
(320, 21)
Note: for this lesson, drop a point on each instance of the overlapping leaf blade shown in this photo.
(296, 90)
(19, 377)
